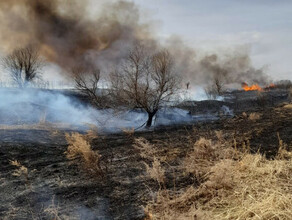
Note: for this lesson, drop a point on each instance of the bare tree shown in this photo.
(86, 81)
(211, 92)
(218, 82)
(216, 88)
(24, 65)
(145, 81)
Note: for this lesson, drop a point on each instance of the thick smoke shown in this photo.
(65, 33)
(201, 68)
(68, 36)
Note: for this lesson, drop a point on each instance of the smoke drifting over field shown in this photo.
(232, 67)
(68, 36)
(41, 107)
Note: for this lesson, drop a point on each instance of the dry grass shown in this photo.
(288, 106)
(53, 210)
(92, 132)
(254, 116)
(146, 150)
(21, 171)
(234, 185)
(38, 126)
(128, 131)
(155, 171)
(80, 149)
(206, 153)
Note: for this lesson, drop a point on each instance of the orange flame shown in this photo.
(252, 87)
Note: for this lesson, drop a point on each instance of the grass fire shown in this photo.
(145, 110)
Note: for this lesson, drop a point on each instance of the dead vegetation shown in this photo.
(208, 171)
(128, 131)
(254, 116)
(53, 210)
(79, 149)
(21, 171)
(233, 184)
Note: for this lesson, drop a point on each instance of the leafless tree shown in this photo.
(86, 81)
(211, 92)
(145, 81)
(216, 88)
(218, 84)
(24, 65)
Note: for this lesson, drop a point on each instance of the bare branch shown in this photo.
(86, 81)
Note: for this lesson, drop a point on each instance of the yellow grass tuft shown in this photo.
(21, 171)
(79, 148)
(254, 116)
(147, 150)
(288, 106)
(156, 171)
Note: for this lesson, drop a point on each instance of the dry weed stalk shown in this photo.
(283, 153)
(156, 172)
(79, 148)
(53, 210)
(147, 150)
(21, 171)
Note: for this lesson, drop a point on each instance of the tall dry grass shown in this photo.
(234, 184)
(79, 149)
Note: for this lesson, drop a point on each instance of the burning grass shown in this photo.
(233, 184)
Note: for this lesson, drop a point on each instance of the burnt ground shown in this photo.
(124, 188)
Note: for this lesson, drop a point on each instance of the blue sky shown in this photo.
(264, 26)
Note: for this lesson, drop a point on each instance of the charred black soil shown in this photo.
(120, 193)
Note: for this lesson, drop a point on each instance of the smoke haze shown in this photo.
(68, 36)
(37, 107)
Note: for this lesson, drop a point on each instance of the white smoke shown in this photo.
(35, 106)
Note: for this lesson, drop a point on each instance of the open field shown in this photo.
(45, 184)
(145, 110)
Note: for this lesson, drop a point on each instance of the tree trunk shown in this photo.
(150, 118)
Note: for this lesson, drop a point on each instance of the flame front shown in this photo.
(252, 87)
